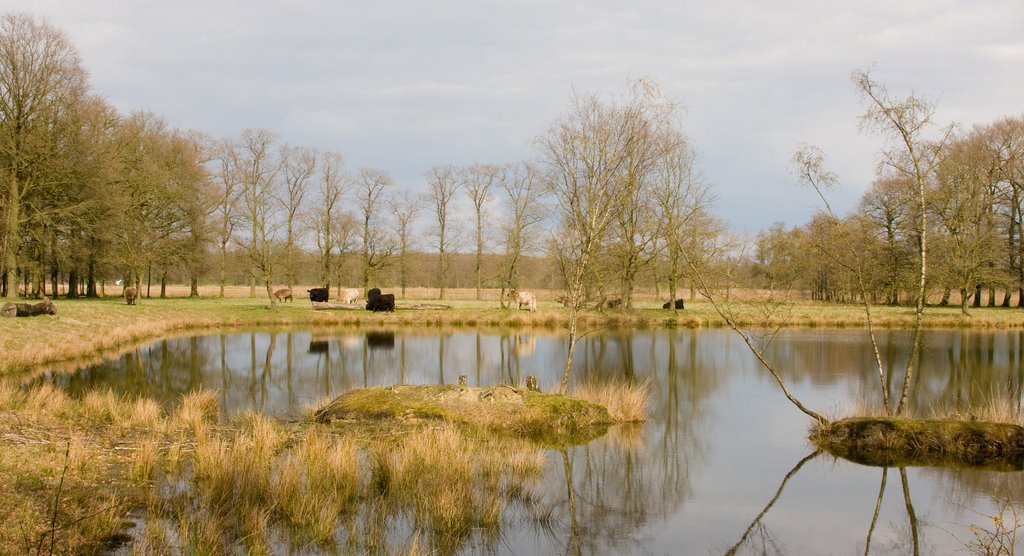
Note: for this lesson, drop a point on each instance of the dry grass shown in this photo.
(891, 442)
(626, 401)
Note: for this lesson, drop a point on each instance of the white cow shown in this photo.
(524, 298)
(348, 295)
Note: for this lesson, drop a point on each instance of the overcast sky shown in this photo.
(406, 85)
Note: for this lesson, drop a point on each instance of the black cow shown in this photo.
(377, 302)
(318, 294)
(678, 304)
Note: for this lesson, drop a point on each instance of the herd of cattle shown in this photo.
(376, 301)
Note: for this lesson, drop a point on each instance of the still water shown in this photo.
(722, 466)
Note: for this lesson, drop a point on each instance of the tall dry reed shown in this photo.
(626, 401)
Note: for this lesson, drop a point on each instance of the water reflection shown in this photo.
(720, 440)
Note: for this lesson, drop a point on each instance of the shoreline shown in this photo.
(86, 329)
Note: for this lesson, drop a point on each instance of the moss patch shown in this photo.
(892, 442)
(551, 419)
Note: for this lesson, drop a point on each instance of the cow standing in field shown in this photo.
(349, 295)
(318, 295)
(523, 298)
(130, 295)
(283, 294)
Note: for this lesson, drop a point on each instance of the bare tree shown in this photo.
(226, 179)
(477, 180)
(584, 154)
(443, 184)
(372, 185)
(682, 202)
(298, 165)
(905, 121)
(648, 120)
(259, 173)
(327, 214)
(523, 191)
(404, 208)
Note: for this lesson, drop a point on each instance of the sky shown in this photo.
(405, 85)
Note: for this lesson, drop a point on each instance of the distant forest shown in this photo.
(612, 203)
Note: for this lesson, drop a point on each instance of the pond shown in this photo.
(722, 466)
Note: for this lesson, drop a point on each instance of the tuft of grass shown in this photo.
(625, 400)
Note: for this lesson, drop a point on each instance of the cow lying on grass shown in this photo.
(678, 304)
(523, 298)
(13, 309)
(377, 302)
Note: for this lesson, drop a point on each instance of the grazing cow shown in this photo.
(318, 294)
(348, 295)
(130, 295)
(283, 294)
(377, 302)
(614, 303)
(523, 298)
(28, 309)
(678, 304)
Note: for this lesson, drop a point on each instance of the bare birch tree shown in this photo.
(583, 154)
(905, 121)
(259, 173)
(404, 208)
(443, 184)
(477, 180)
(327, 214)
(298, 164)
(523, 192)
(371, 186)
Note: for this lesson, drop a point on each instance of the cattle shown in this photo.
(564, 300)
(28, 309)
(348, 295)
(130, 295)
(377, 302)
(523, 298)
(318, 295)
(613, 303)
(283, 294)
(678, 304)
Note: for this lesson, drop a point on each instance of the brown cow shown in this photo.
(28, 309)
(283, 294)
(130, 295)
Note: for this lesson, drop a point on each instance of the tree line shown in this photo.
(973, 197)
(91, 196)
(612, 202)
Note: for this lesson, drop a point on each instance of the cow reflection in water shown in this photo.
(380, 340)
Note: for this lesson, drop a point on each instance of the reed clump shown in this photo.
(625, 400)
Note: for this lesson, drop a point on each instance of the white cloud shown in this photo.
(409, 85)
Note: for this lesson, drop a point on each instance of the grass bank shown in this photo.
(86, 328)
(900, 442)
